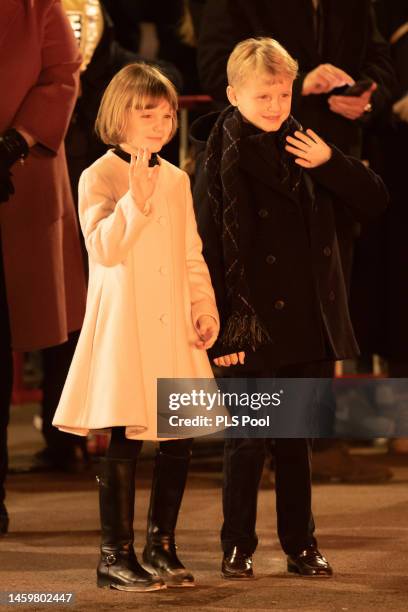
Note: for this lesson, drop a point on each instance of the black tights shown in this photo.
(121, 447)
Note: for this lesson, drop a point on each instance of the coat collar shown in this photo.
(165, 174)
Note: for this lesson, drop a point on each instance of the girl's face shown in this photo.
(151, 127)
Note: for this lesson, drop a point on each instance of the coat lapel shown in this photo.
(9, 11)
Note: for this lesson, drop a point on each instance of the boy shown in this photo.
(265, 194)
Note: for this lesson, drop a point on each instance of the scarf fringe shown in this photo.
(241, 328)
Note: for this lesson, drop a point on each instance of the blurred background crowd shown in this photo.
(51, 86)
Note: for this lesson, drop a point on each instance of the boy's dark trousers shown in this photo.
(243, 465)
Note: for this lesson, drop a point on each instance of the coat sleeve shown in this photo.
(353, 184)
(378, 67)
(110, 228)
(201, 290)
(46, 110)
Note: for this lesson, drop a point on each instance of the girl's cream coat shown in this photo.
(148, 285)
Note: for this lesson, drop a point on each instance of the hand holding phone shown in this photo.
(355, 90)
(353, 104)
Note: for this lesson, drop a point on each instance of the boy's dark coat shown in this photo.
(289, 247)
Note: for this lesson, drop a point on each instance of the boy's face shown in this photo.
(263, 99)
(150, 127)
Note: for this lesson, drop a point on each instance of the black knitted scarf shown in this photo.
(243, 325)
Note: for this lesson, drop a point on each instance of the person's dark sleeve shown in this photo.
(46, 110)
(401, 62)
(397, 11)
(360, 189)
(222, 27)
(398, 35)
(378, 67)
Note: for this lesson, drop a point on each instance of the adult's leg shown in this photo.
(6, 382)
(63, 450)
(169, 481)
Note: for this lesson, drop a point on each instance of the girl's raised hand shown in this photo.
(142, 179)
(310, 150)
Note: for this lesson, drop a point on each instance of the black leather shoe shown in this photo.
(4, 519)
(237, 565)
(310, 563)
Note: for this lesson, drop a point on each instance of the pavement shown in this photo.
(53, 541)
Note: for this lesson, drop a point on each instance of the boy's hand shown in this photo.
(207, 328)
(228, 360)
(324, 78)
(310, 150)
(142, 179)
(352, 107)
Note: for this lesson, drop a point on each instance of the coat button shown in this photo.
(279, 304)
(162, 221)
(164, 318)
(164, 271)
(270, 259)
(327, 251)
(332, 296)
(263, 213)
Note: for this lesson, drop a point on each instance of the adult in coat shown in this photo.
(42, 284)
(382, 255)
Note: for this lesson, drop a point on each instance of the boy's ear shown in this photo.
(231, 95)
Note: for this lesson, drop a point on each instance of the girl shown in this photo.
(150, 313)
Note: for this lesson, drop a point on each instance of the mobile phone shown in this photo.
(353, 90)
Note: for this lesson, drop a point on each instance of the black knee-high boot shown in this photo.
(118, 566)
(169, 480)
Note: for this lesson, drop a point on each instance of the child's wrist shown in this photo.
(142, 205)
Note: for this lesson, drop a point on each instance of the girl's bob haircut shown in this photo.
(136, 86)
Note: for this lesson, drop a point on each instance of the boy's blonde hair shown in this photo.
(136, 86)
(262, 53)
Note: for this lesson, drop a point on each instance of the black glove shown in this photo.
(12, 147)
